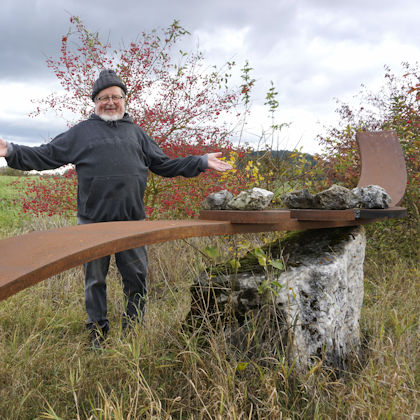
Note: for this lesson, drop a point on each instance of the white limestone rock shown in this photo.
(253, 199)
(217, 200)
(372, 197)
(335, 198)
(315, 310)
(322, 300)
(299, 199)
(338, 197)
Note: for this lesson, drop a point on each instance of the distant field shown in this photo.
(10, 217)
(5, 190)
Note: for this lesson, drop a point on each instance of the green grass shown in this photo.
(159, 371)
(10, 217)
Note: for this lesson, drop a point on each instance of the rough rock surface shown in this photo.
(339, 198)
(300, 199)
(335, 198)
(253, 199)
(372, 197)
(314, 305)
(217, 200)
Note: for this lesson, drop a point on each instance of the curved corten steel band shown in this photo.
(28, 259)
(382, 163)
(36, 256)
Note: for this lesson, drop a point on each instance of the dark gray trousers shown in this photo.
(132, 265)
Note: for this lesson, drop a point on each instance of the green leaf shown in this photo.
(276, 284)
(212, 252)
(258, 252)
(241, 365)
(277, 264)
(235, 264)
(263, 287)
(262, 261)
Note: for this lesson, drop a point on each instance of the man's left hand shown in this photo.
(216, 164)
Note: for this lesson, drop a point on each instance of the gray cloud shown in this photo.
(299, 44)
(29, 131)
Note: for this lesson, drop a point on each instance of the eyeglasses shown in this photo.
(105, 99)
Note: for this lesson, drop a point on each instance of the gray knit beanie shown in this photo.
(106, 79)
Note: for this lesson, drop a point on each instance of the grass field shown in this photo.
(159, 371)
(9, 211)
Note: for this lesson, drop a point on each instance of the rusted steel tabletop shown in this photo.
(348, 214)
(248, 216)
(284, 215)
(27, 259)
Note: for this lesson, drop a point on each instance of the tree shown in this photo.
(395, 107)
(183, 104)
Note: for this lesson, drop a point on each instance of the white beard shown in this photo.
(114, 117)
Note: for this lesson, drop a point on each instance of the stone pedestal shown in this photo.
(308, 311)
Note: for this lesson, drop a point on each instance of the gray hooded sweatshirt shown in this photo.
(112, 160)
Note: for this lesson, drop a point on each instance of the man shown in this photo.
(112, 156)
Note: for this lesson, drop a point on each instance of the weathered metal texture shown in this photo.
(28, 259)
(244, 216)
(382, 163)
(390, 213)
(284, 215)
(279, 215)
(349, 214)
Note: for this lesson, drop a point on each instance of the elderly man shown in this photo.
(112, 156)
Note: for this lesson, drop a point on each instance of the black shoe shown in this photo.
(96, 339)
(126, 324)
(129, 321)
(97, 334)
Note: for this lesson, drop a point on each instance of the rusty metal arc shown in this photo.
(382, 163)
(36, 256)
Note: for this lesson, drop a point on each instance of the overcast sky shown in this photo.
(313, 50)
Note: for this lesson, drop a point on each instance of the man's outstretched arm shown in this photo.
(214, 163)
(3, 148)
(50, 155)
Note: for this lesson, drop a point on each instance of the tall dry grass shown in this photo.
(163, 371)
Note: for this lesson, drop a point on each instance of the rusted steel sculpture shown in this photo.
(28, 259)
(382, 163)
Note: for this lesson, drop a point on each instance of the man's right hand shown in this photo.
(3, 148)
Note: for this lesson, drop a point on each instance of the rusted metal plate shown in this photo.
(382, 163)
(247, 216)
(28, 259)
(283, 215)
(348, 214)
(321, 215)
(390, 213)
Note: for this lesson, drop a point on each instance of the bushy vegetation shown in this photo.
(160, 370)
